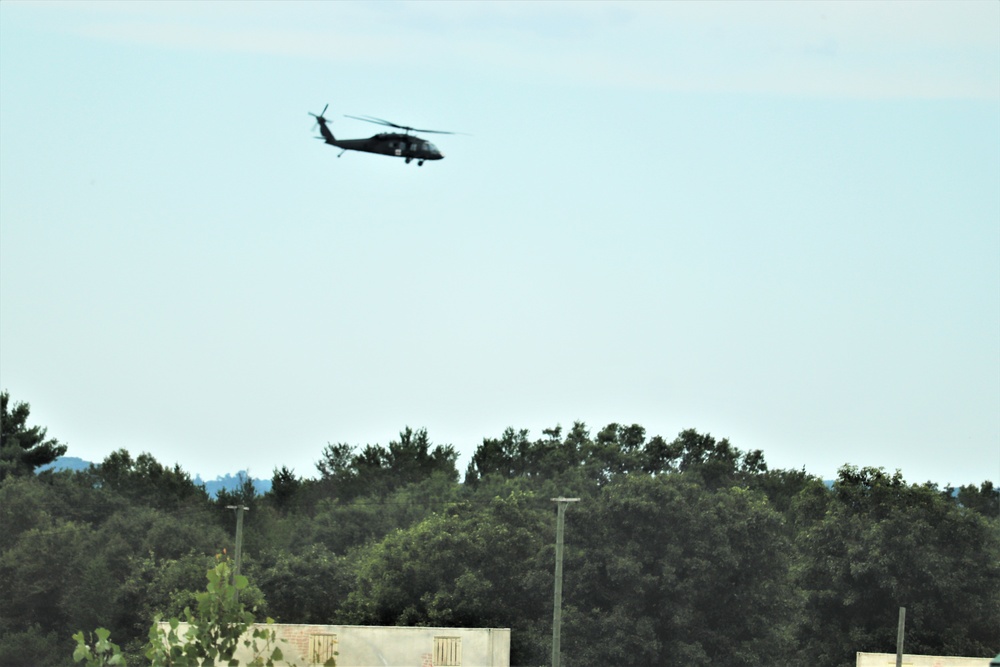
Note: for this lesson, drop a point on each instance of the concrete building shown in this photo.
(384, 646)
(889, 660)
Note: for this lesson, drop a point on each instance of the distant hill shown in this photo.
(231, 482)
(65, 463)
(212, 487)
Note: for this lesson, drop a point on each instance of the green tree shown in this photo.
(617, 450)
(305, 587)
(883, 544)
(23, 448)
(506, 457)
(985, 499)
(716, 462)
(34, 576)
(665, 571)
(336, 459)
(146, 481)
(25, 503)
(117, 588)
(553, 457)
(32, 646)
(478, 565)
(378, 470)
(782, 487)
(343, 525)
(153, 586)
(577, 458)
(285, 487)
(47, 547)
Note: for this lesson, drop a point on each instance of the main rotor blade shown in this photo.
(377, 121)
(389, 123)
(434, 131)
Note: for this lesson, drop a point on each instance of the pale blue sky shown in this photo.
(773, 222)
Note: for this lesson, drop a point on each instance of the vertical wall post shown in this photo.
(557, 607)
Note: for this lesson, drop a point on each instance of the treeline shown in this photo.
(687, 551)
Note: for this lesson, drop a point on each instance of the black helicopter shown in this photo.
(404, 145)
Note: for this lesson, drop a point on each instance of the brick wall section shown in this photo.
(428, 660)
(297, 637)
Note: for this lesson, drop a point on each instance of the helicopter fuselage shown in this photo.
(406, 146)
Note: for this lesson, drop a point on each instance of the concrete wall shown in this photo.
(383, 646)
(889, 660)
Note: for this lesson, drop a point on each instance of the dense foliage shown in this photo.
(681, 552)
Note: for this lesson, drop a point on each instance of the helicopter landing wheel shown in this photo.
(420, 163)
(408, 160)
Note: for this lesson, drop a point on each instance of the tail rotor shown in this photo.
(319, 117)
(323, 129)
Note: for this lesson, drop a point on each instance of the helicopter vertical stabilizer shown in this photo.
(323, 129)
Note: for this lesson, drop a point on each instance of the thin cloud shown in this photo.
(834, 49)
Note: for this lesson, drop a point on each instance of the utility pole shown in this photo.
(561, 504)
(240, 509)
(899, 637)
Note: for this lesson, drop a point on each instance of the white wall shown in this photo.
(889, 660)
(385, 646)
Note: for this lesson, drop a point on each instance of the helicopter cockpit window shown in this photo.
(430, 147)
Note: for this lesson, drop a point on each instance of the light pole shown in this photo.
(561, 504)
(899, 636)
(239, 541)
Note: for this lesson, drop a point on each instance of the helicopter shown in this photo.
(404, 145)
